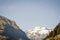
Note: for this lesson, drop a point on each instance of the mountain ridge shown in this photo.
(54, 34)
(38, 33)
(10, 31)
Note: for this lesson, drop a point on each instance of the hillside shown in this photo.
(10, 31)
(54, 34)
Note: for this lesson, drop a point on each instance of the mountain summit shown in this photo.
(10, 31)
(38, 33)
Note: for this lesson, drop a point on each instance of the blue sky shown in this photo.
(30, 13)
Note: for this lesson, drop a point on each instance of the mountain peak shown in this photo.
(10, 31)
(37, 33)
(40, 29)
(2, 17)
(4, 21)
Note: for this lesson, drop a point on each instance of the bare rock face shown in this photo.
(10, 31)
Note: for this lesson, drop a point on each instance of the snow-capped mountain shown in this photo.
(38, 33)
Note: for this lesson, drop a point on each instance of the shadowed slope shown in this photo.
(10, 31)
(55, 34)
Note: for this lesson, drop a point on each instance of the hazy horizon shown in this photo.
(31, 13)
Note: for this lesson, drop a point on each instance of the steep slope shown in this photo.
(38, 33)
(54, 34)
(10, 31)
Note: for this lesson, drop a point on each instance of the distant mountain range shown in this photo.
(10, 31)
(38, 33)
